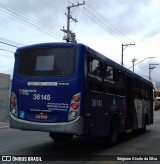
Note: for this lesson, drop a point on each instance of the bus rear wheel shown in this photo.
(113, 133)
(61, 138)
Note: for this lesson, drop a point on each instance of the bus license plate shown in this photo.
(42, 116)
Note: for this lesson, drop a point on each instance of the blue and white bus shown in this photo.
(69, 89)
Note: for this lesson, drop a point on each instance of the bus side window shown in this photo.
(120, 83)
(143, 94)
(136, 93)
(109, 79)
(94, 68)
(108, 73)
(137, 90)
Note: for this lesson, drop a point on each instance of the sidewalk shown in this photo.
(4, 125)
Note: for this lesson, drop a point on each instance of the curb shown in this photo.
(4, 127)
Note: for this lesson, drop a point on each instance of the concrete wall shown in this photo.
(4, 97)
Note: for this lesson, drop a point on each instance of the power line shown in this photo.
(6, 50)
(101, 25)
(111, 27)
(30, 24)
(11, 42)
(29, 21)
(99, 20)
(17, 13)
(8, 44)
(104, 23)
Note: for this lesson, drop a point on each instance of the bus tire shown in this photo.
(113, 132)
(61, 138)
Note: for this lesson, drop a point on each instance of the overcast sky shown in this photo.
(103, 25)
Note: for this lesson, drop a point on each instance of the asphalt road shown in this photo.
(17, 142)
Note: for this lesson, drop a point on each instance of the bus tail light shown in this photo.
(74, 106)
(13, 97)
(14, 104)
(75, 99)
(74, 109)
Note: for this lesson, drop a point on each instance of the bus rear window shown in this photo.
(47, 62)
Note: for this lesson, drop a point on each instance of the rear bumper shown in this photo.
(73, 127)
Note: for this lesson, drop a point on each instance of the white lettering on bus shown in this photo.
(45, 97)
(96, 103)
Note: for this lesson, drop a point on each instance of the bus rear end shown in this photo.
(46, 90)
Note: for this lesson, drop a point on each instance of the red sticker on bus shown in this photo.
(42, 116)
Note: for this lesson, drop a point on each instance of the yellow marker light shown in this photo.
(75, 99)
(13, 97)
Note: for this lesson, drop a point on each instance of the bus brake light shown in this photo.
(74, 106)
(13, 104)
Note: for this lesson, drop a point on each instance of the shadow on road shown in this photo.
(79, 146)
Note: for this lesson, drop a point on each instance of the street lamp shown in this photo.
(151, 67)
(139, 62)
(133, 61)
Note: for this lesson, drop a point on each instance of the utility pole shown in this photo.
(123, 47)
(133, 61)
(151, 67)
(70, 37)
